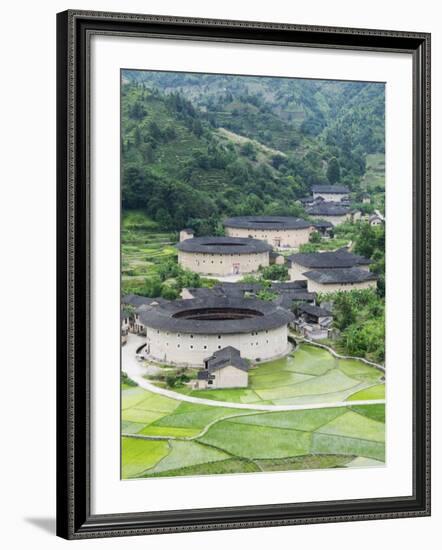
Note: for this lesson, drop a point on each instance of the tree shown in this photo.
(366, 241)
(343, 311)
(169, 293)
(248, 150)
(333, 170)
(137, 111)
(266, 295)
(275, 273)
(315, 237)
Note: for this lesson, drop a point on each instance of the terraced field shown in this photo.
(142, 248)
(167, 437)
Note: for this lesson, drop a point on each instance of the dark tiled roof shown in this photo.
(327, 209)
(274, 254)
(341, 275)
(267, 222)
(288, 285)
(136, 301)
(224, 357)
(286, 300)
(306, 200)
(315, 310)
(339, 189)
(324, 260)
(206, 292)
(286, 292)
(322, 224)
(216, 315)
(223, 245)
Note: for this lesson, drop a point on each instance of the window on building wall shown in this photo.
(219, 336)
(191, 347)
(219, 347)
(210, 382)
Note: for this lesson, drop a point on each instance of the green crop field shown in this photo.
(309, 375)
(168, 437)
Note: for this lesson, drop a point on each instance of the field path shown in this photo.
(135, 370)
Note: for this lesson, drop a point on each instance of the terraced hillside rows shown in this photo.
(143, 248)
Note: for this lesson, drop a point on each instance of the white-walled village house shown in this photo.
(330, 193)
(224, 369)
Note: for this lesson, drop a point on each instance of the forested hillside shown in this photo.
(199, 147)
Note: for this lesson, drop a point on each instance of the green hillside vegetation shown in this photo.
(149, 265)
(192, 155)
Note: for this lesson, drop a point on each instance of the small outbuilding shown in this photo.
(132, 306)
(186, 233)
(313, 322)
(375, 220)
(224, 369)
(324, 228)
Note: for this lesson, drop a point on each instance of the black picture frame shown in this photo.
(74, 518)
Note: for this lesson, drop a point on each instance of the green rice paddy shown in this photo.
(308, 375)
(168, 437)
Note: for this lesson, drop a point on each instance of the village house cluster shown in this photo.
(223, 330)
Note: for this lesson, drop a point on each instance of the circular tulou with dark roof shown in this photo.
(267, 222)
(215, 315)
(223, 256)
(278, 231)
(224, 245)
(189, 331)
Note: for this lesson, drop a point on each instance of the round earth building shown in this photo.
(277, 231)
(185, 332)
(223, 256)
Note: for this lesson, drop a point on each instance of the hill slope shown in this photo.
(199, 147)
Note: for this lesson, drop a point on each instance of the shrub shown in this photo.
(275, 273)
(126, 380)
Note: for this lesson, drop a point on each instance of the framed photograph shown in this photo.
(243, 274)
